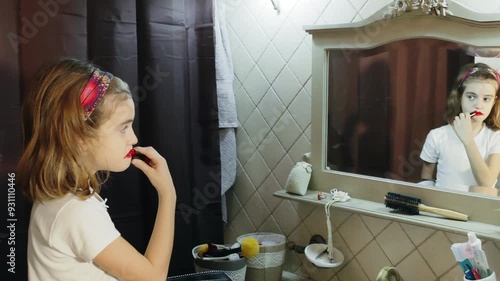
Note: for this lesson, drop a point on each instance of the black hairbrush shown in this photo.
(412, 205)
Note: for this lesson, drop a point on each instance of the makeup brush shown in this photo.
(412, 205)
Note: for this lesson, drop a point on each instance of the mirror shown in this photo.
(383, 101)
(362, 143)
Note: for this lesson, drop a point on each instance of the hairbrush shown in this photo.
(412, 205)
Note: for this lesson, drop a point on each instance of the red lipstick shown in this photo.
(135, 155)
(131, 153)
(476, 113)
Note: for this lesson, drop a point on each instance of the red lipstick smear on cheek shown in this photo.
(131, 153)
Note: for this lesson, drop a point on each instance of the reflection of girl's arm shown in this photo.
(485, 173)
(484, 190)
(428, 170)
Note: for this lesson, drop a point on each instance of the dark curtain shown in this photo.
(378, 121)
(164, 50)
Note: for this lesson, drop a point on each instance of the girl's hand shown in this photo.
(463, 128)
(156, 169)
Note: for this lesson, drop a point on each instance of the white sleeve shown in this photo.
(430, 152)
(83, 229)
(427, 183)
(495, 143)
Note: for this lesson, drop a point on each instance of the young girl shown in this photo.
(77, 123)
(466, 153)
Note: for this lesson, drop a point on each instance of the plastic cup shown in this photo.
(492, 277)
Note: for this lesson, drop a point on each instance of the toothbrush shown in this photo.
(412, 205)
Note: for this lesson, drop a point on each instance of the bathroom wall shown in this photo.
(272, 65)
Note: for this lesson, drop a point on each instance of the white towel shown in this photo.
(227, 139)
(228, 120)
(224, 72)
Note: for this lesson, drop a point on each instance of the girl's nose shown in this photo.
(134, 138)
(479, 103)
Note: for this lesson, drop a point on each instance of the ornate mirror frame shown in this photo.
(468, 27)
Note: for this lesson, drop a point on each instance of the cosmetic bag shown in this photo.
(299, 178)
(201, 276)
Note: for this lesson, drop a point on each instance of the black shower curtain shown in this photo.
(164, 50)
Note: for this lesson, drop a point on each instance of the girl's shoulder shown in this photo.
(76, 204)
(51, 207)
(68, 203)
(441, 131)
(45, 215)
(491, 133)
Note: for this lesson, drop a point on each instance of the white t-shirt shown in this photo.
(65, 235)
(443, 147)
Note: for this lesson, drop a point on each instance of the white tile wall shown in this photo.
(272, 63)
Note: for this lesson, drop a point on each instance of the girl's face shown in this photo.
(115, 138)
(479, 95)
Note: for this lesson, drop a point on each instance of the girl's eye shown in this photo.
(471, 97)
(124, 129)
(487, 99)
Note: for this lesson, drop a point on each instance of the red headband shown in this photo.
(476, 69)
(94, 90)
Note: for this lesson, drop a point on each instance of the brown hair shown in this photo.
(454, 99)
(54, 124)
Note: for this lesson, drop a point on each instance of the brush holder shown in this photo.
(268, 264)
(235, 269)
(492, 277)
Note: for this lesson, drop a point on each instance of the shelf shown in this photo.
(374, 209)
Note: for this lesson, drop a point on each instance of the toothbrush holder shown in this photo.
(492, 277)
